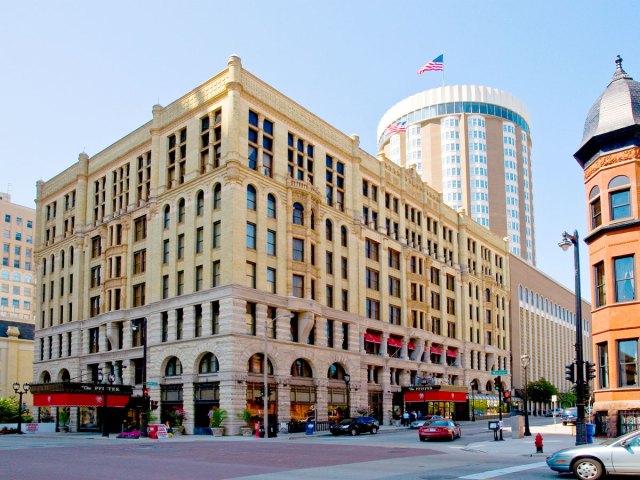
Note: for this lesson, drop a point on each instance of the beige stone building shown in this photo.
(235, 206)
(543, 327)
(17, 295)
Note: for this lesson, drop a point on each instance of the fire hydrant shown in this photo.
(538, 443)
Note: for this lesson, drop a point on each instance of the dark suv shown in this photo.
(355, 426)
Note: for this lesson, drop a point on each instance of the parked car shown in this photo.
(569, 415)
(617, 456)
(355, 426)
(423, 421)
(556, 411)
(443, 429)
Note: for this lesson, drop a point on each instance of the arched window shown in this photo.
(174, 367)
(209, 364)
(301, 368)
(343, 236)
(166, 217)
(16, 277)
(44, 267)
(256, 364)
(595, 206)
(27, 278)
(46, 377)
(336, 372)
(52, 263)
(329, 228)
(271, 206)
(70, 255)
(5, 275)
(217, 196)
(489, 387)
(64, 375)
(312, 220)
(619, 198)
(200, 203)
(251, 198)
(61, 258)
(181, 210)
(298, 214)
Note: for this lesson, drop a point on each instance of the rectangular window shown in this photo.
(599, 287)
(271, 242)
(251, 274)
(139, 295)
(251, 318)
(164, 327)
(596, 213)
(165, 252)
(215, 274)
(620, 204)
(96, 246)
(271, 280)
(139, 261)
(394, 259)
(251, 235)
(179, 323)
(197, 328)
(603, 365)
(329, 294)
(330, 335)
(628, 363)
(94, 340)
(345, 336)
(140, 228)
(373, 309)
(372, 249)
(298, 249)
(623, 267)
(180, 283)
(215, 318)
(216, 234)
(298, 286)
(344, 267)
(199, 240)
(181, 246)
(329, 263)
(394, 314)
(165, 286)
(394, 287)
(199, 274)
(372, 279)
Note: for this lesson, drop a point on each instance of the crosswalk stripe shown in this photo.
(504, 471)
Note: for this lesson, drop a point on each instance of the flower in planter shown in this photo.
(177, 417)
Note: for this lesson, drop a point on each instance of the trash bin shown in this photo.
(591, 431)
(310, 428)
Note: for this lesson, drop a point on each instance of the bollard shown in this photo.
(538, 443)
(257, 427)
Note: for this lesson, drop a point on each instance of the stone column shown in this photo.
(284, 402)
(321, 332)
(188, 405)
(188, 322)
(322, 400)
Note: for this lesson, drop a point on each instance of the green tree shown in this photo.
(9, 411)
(541, 390)
(567, 399)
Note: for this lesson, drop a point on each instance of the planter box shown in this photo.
(246, 431)
(217, 432)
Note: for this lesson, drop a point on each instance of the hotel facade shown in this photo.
(236, 212)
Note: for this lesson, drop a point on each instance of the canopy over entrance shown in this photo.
(67, 394)
(435, 393)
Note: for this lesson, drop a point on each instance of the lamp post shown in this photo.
(524, 361)
(347, 380)
(25, 389)
(105, 380)
(265, 369)
(141, 323)
(565, 243)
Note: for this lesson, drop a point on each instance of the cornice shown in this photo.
(611, 159)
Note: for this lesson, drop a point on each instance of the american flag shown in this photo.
(396, 127)
(435, 64)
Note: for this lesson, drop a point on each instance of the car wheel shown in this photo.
(453, 436)
(564, 424)
(423, 439)
(460, 434)
(588, 469)
(374, 430)
(353, 432)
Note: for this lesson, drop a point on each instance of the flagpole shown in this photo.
(443, 68)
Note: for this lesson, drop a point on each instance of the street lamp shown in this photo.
(524, 361)
(109, 379)
(266, 370)
(347, 380)
(25, 389)
(141, 323)
(565, 243)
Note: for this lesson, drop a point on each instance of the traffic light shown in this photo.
(590, 370)
(498, 383)
(145, 392)
(570, 372)
(154, 404)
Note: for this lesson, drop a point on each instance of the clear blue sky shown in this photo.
(79, 75)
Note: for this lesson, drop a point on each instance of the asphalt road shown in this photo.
(391, 455)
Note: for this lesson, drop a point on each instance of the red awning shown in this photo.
(436, 350)
(67, 399)
(370, 337)
(452, 353)
(412, 346)
(394, 342)
(435, 396)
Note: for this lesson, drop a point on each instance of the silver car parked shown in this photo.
(616, 456)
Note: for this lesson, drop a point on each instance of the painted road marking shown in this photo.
(504, 471)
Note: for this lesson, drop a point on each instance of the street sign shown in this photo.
(499, 372)
(152, 384)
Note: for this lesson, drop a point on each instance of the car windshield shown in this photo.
(346, 421)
